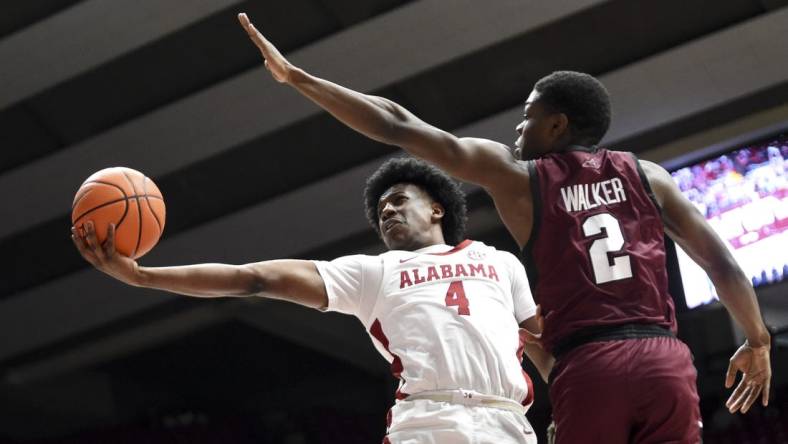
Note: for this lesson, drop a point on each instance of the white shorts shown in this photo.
(425, 421)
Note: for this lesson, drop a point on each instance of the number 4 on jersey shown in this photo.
(456, 296)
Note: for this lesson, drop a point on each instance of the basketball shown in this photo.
(126, 198)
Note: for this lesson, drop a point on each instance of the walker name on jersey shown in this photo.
(585, 196)
(416, 276)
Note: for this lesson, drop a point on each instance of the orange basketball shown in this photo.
(126, 198)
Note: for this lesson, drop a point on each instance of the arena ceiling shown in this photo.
(252, 171)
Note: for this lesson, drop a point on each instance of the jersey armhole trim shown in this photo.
(527, 253)
(645, 183)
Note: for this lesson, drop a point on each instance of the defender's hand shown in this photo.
(531, 337)
(275, 62)
(755, 366)
(104, 257)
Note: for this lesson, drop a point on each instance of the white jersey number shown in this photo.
(600, 248)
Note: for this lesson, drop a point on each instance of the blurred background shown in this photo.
(251, 171)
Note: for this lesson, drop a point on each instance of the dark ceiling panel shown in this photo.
(350, 12)
(180, 64)
(500, 77)
(23, 136)
(19, 14)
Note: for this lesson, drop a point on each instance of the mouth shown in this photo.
(391, 223)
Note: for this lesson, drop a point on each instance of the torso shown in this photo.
(596, 252)
(447, 321)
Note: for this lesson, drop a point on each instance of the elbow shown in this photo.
(396, 125)
(253, 282)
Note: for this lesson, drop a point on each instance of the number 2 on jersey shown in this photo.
(456, 296)
(613, 242)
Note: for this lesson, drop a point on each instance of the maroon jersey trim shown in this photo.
(527, 256)
(646, 185)
(459, 247)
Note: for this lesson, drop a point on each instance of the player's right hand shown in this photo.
(104, 257)
(275, 62)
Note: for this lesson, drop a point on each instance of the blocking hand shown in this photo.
(275, 62)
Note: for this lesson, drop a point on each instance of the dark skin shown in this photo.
(409, 219)
(497, 169)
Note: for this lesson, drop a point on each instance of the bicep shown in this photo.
(292, 280)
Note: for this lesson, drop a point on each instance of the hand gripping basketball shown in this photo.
(103, 256)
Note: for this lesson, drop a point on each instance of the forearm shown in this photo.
(379, 119)
(372, 116)
(201, 280)
(738, 296)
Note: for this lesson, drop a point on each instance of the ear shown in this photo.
(437, 212)
(560, 125)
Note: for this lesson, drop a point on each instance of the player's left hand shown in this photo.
(755, 365)
(531, 335)
(275, 62)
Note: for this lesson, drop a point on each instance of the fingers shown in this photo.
(109, 244)
(91, 238)
(752, 395)
(765, 395)
(253, 33)
(730, 376)
(531, 338)
(738, 396)
(79, 241)
(78, 237)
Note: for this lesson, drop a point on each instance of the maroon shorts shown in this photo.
(626, 391)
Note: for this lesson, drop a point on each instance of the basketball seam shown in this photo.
(76, 201)
(110, 203)
(155, 217)
(139, 214)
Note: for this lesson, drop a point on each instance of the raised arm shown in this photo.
(479, 161)
(292, 280)
(685, 225)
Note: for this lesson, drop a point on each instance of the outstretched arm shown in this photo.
(685, 225)
(292, 280)
(484, 162)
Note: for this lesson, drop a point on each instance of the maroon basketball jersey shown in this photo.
(596, 255)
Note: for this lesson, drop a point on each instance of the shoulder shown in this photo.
(501, 255)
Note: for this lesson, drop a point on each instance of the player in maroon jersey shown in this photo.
(590, 223)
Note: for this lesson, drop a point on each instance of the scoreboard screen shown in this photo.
(743, 194)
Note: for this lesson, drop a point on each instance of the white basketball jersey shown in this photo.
(446, 318)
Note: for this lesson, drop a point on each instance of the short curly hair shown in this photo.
(438, 185)
(583, 99)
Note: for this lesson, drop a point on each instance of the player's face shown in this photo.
(407, 217)
(540, 130)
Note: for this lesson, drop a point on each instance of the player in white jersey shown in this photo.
(445, 313)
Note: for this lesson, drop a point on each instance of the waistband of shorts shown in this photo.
(469, 398)
(608, 333)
